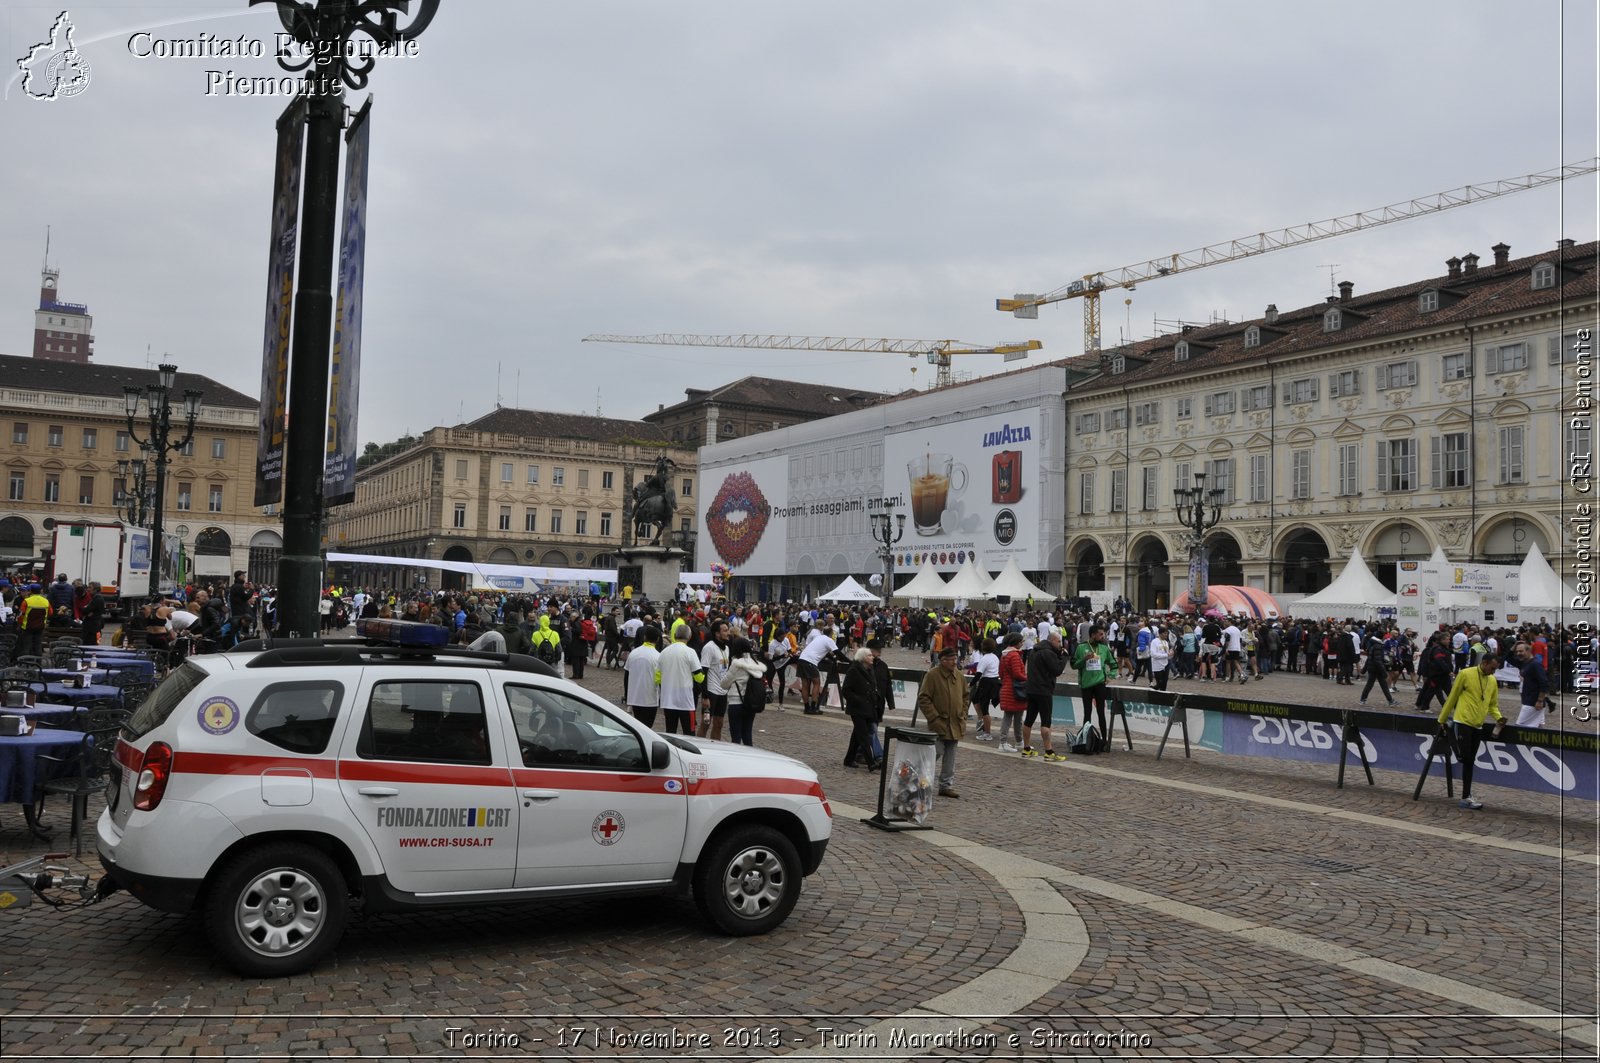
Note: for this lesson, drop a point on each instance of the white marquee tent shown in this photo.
(849, 591)
(1541, 588)
(1356, 592)
(926, 584)
(1011, 583)
(971, 582)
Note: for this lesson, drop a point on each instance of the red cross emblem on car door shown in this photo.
(608, 827)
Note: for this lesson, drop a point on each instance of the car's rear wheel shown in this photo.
(276, 910)
(749, 880)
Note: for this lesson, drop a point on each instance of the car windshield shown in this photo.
(164, 698)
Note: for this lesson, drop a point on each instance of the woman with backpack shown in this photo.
(746, 686)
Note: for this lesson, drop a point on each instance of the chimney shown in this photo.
(1188, 329)
(1469, 263)
(1271, 316)
(1454, 265)
(1564, 244)
(1332, 299)
(1345, 288)
(1502, 253)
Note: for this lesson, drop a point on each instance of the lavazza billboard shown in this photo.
(976, 470)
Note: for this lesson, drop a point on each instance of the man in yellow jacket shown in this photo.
(33, 617)
(1474, 698)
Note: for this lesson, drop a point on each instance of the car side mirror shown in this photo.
(660, 755)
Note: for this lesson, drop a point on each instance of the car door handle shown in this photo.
(379, 791)
(541, 795)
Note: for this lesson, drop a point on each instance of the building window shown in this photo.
(119, 490)
(187, 450)
(1544, 276)
(533, 475)
(1455, 366)
(1508, 358)
(687, 487)
(19, 433)
(1147, 413)
(1566, 348)
(505, 518)
(606, 480)
(1511, 455)
(1219, 476)
(86, 490)
(1428, 301)
(1086, 492)
(1345, 384)
(1149, 488)
(605, 521)
(1119, 490)
(555, 521)
(530, 520)
(52, 488)
(1184, 409)
(1300, 391)
(1397, 465)
(683, 525)
(1219, 404)
(1300, 474)
(583, 479)
(1087, 423)
(1349, 469)
(1450, 464)
(1397, 375)
(1331, 321)
(1117, 419)
(558, 476)
(1580, 446)
(185, 497)
(1252, 336)
(91, 438)
(458, 519)
(507, 472)
(461, 468)
(1180, 352)
(1180, 475)
(123, 443)
(55, 435)
(580, 522)
(219, 447)
(19, 487)
(1258, 477)
(1258, 397)
(214, 502)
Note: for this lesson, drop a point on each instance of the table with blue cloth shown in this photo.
(109, 661)
(58, 714)
(96, 675)
(59, 692)
(20, 770)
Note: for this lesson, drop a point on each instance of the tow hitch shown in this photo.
(21, 883)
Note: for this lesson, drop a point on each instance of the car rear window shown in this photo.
(163, 699)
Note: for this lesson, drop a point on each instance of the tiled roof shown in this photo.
(96, 378)
(788, 396)
(1489, 291)
(535, 423)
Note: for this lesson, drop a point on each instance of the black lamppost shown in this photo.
(157, 397)
(331, 62)
(887, 529)
(1192, 505)
(133, 505)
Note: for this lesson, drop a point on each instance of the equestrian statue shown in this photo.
(654, 502)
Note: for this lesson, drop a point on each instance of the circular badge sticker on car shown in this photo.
(219, 715)
(672, 786)
(608, 827)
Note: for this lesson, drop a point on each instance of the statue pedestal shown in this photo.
(653, 572)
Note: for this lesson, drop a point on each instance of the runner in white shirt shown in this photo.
(818, 645)
(1233, 652)
(643, 690)
(1045, 627)
(986, 692)
(678, 668)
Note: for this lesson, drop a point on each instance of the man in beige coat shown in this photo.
(942, 699)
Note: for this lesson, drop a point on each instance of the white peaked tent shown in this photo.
(926, 584)
(1356, 592)
(1453, 599)
(970, 582)
(1011, 583)
(849, 591)
(1541, 588)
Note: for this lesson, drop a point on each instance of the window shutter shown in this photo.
(1333, 385)
(1233, 478)
(1288, 393)
(1316, 385)
(1554, 345)
(1208, 405)
(1355, 381)
(1416, 370)
(1436, 460)
(1491, 357)
(1383, 378)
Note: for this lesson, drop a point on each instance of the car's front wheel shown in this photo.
(276, 910)
(749, 880)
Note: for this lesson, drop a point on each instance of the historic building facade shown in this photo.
(65, 429)
(1435, 414)
(514, 487)
(750, 405)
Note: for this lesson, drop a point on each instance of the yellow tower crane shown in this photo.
(939, 352)
(1026, 305)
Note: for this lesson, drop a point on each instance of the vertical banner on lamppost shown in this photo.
(339, 465)
(280, 302)
(1199, 576)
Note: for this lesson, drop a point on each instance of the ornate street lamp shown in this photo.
(331, 62)
(134, 505)
(888, 527)
(157, 397)
(1198, 510)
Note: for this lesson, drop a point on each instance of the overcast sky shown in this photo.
(544, 170)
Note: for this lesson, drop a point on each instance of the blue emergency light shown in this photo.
(407, 633)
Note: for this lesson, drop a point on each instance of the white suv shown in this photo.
(272, 785)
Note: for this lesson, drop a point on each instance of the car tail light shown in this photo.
(153, 775)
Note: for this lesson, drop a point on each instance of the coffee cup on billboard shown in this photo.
(935, 479)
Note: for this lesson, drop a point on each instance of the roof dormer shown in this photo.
(1431, 299)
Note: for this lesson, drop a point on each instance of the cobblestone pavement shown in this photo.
(1107, 906)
